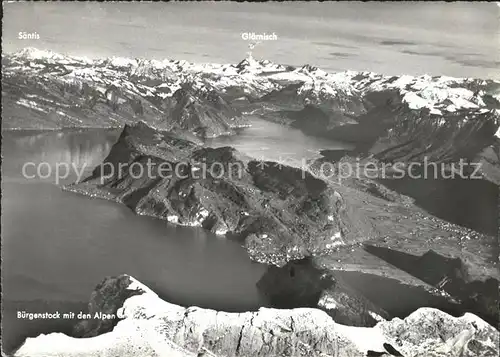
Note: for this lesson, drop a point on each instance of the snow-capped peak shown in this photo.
(123, 62)
(34, 53)
(251, 65)
(257, 77)
(249, 62)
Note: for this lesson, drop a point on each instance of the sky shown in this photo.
(459, 39)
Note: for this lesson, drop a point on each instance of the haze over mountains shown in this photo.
(399, 118)
(117, 90)
(458, 39)
(325, 244)
(282, 254)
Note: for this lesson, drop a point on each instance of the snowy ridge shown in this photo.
(153, 81)
(150, 326)
(419, 91)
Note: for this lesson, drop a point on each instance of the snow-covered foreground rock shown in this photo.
(149, 326)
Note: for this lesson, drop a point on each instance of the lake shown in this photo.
(58, 245)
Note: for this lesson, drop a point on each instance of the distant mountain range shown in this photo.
(311, 231)
(43, 89)
(392, 117)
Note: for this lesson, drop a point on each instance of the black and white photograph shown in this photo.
(250, 179)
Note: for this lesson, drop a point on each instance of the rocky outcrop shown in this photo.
(392, 131)
(61, 91)
(310, 107)
(489, 161)
(451, 171)
(328, 244)
(286, 96)
(64, 92)
(314, 119)
(296, 221)
(446, 138)
(401, 120)
(445, 161)
(311, 91)
(202, 111)
(429, 332)
(149, 326)
(104, 300)
(449, 274)
(279, 212)
(301, 283)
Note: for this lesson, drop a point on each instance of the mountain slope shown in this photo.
(45, 89)
(283, 215)
(150, 326)
(48, 91)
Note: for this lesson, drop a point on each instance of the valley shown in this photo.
(274, 234)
